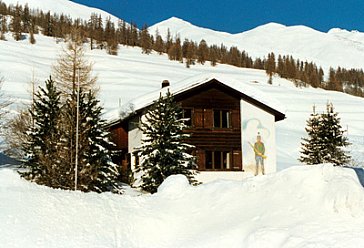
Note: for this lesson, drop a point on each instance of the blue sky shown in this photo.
(235, 16)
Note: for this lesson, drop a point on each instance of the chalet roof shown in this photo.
(190, 83)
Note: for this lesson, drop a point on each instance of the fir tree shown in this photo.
(95, 150)
(158, 45)
(334, 139)
(311, 152)
(325, 140)
(44, 136)
(163, 151)
(3, 27)
(16, 24)
(145, 40)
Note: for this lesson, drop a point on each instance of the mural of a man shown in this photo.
(259, 150)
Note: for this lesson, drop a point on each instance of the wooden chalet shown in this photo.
(225, 116)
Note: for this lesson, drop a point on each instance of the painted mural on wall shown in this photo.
(258, 137)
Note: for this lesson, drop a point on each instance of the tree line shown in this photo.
(105, 34)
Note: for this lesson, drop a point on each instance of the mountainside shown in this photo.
(334, 48)
(66, 7)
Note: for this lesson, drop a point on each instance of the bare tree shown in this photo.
(72, 67)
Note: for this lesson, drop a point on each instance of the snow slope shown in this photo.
(67, 7)
(132, 74)
(318, 206)
(334, 48)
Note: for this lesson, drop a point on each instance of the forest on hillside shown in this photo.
(105, 34)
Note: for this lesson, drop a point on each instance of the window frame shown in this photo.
(222, 114)
(216, 160)
(188, 123)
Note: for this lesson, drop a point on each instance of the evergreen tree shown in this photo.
(3, 27)
(334, 139)
(325, 140)
(311, 152)
(163, 151)
(44, 137)
(158, 46)
(97, 172)
(145, 40)
(270, 66)
(202, 52)
(31, 33)
(16, 24)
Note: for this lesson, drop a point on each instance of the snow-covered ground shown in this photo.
(308, 206)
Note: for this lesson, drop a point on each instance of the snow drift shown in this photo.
(311, 206)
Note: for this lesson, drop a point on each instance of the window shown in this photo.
(136, 158)
(221, 119)
(218, 160)
(187, 114)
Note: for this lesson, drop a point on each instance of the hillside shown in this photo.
(334, 48)
(132, 74)
(73, 9)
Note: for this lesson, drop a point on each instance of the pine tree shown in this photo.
(325, 140)
(145, 40)
(31, 33)
(202, 52)
(44, 137)
(3, 27)
(311, 152)
(16, 24)
(334, 138)
(158, 46)
(97, 172)
(270, 66)
(163, 151)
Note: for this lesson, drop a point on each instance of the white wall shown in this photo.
(135, 136)
(253, 121)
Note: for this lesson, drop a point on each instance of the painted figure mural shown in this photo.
(259, 150)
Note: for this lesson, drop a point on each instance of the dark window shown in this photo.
(128, 159)
(209, 160)
(136, 158)
(221, 119)
(218, 160)
(187, 114)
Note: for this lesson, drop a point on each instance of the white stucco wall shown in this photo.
(253, 121)
(135, 136)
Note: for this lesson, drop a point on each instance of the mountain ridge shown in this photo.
(337, 47)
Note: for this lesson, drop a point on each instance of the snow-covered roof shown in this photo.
(190, 83)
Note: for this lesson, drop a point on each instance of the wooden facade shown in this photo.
(208, 105)
(119, 136)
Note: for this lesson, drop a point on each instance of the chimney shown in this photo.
(165, 83)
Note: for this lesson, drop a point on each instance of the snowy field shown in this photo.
(300, 207)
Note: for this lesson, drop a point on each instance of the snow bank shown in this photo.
(311, 206)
